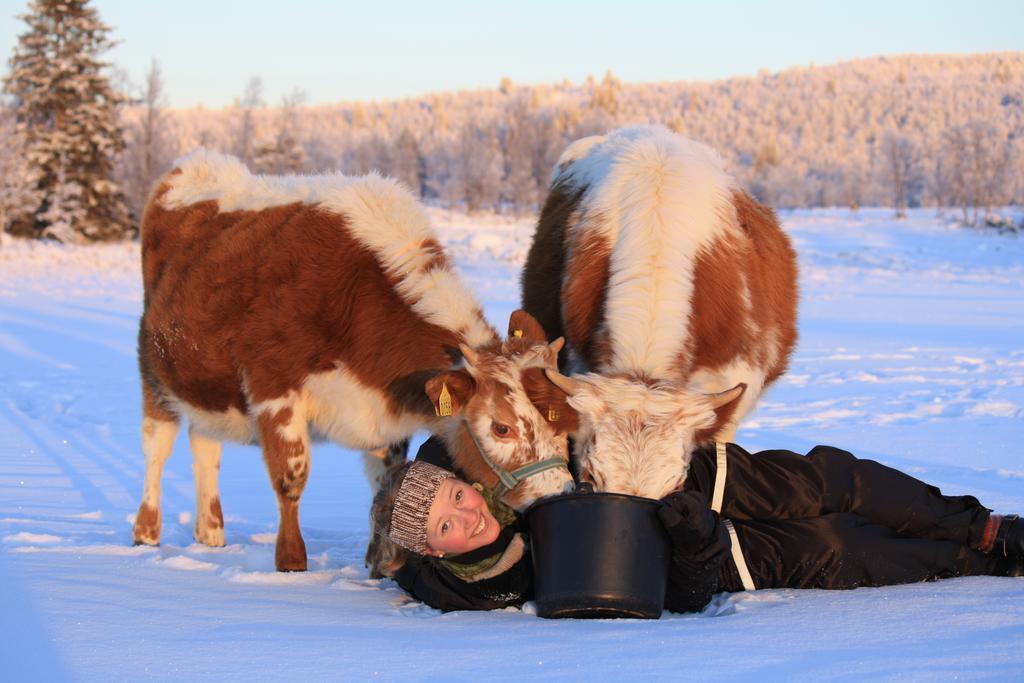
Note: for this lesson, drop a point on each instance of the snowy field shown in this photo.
(911, 352)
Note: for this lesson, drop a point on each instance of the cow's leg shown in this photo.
(205, 468)
(285, 438)
(159, 429)
(380, 460)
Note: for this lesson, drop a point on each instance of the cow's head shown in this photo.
(494, 430)
(636, 437)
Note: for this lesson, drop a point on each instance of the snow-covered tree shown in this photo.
(67, 124)
(799, 137)
(372, 152)
(282, 153)
(151, 146)
(442, 182)
(15, 194)
(519, 145)
(64, 207)
(408, 164)
(606, 94)
(244, 143)
(478, 167)
(982, 164)
(899, 162)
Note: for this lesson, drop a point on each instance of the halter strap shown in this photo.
(509, 480)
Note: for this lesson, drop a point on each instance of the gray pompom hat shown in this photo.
(412, 505)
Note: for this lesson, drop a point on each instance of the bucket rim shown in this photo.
(596, 495)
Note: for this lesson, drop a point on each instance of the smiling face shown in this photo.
(636, 437)
(459, 520)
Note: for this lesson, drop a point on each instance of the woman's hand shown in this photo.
(688, 519)
(699, 546)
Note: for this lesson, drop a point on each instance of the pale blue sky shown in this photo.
(339, 50)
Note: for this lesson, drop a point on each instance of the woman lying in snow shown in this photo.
(781, 520)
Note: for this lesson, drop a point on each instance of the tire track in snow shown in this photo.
(96, 494)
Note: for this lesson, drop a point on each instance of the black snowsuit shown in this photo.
(824, 520)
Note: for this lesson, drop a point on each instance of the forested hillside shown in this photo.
(893, 131)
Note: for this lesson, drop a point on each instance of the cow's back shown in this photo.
(256, 287)
(664, 269)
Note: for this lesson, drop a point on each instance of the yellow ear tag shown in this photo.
(553, 415)
(518, 334)
(444, 402)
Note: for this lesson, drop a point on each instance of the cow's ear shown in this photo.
(724, 404)
(550, 353)
(450, 392)
(551, 401)
(522, 325)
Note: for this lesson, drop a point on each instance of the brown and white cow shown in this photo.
(283, 309)
(673, 286)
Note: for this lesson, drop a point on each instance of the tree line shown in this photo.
(79, 157)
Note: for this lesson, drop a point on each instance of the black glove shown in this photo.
(699, 546)
(688, 519)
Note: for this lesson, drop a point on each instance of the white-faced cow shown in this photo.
(280, 309)
(674, 288)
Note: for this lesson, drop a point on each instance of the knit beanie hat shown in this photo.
(412, 505)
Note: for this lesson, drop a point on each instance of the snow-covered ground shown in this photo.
(911, 352)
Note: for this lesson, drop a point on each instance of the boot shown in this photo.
(1010, 537)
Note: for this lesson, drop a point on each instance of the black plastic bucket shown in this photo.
(598, 556)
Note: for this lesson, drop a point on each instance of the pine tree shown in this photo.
(67, 122)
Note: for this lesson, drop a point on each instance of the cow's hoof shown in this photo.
(146, 530)
(292, 559)
(209, 535)
(293, 566)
